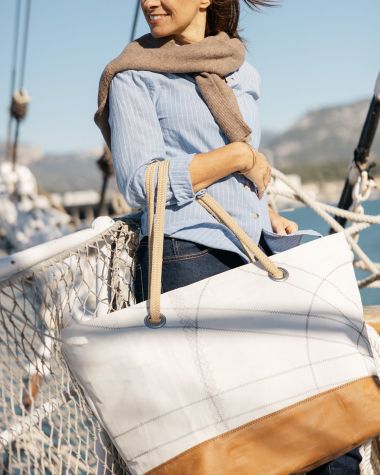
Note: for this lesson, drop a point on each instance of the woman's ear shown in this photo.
(205, 3)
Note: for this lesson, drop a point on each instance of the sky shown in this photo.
(310, 54)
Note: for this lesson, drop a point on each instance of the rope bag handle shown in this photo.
(156, 200)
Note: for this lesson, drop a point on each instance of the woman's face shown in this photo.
(182, 19)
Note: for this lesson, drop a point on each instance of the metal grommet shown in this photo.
(148, 323)
(285, 275)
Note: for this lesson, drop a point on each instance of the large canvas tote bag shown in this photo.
(257, 370)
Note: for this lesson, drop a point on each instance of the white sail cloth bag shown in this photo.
(264, 369)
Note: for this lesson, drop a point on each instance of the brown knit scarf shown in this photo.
(210, 60)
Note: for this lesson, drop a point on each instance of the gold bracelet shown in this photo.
(253, 159)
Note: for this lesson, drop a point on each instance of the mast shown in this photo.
(361, 161)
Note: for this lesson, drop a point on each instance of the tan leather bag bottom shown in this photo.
(295, 439)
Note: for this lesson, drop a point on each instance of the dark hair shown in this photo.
(223, 15)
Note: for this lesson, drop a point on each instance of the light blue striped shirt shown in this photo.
(156, 116)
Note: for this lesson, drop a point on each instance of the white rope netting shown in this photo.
(45, 424)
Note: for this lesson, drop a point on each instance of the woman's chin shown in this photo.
(159, 32)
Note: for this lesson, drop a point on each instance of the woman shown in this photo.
(167, 101)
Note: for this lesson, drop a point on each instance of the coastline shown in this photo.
(328, 191)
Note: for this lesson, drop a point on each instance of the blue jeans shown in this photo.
(186, 262)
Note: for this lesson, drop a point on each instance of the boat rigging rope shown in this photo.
(25, 44)
(350, 215)
(13, 74)
(20, 98)
(316, 206)
(360, 193)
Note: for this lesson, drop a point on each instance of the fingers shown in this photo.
(263, 184)
(281, 231)
(260, 174)
(283, 226)
(278, 225)
(261, 189)
(291, 227)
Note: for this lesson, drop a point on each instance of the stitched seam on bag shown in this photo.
(232, 389)
(278, 314)
(205, 369)
(246, 426)
(187, 256)
(323, 299)
(256, 421)
(92, 324)
(184, 436)
(324, 280)
(318, 276)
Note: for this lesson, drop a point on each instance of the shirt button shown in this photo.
(255, 215)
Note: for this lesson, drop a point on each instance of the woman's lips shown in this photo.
(159, 19)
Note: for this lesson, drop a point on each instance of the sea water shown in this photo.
(369, 240)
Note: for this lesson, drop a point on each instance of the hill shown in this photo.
(321, 143)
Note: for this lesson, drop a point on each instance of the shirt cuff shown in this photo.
(180, 180)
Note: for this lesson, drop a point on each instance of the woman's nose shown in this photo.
(150, 3)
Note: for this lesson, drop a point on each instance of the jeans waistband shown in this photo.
(177, 247)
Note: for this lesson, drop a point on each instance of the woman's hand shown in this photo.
(281, 225)
(258, 170)
(236, 157)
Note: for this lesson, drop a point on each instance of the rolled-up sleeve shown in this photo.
(137, 140)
